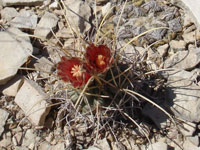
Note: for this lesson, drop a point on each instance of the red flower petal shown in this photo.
(98, 58)
(71, 70)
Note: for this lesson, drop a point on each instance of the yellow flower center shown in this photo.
(76, 71)
(100, 60)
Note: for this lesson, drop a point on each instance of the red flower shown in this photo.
(72, 70)
(98, 58)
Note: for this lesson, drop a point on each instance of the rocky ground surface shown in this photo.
(173, 49)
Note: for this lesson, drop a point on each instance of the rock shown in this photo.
(177, 45)
(22, 2)
(60, 146)
(81, 8)
(45, 146)
(93, 148)
(129, 52)
(175, 25)
(65, 33)
(141, 50)
(21, 148)
(47, 23)
(3, 117)
(13, 53)
(187, 145)
(189, 29)
(29, 138)
(35, 106)
(25, 20)
(188, 128)
(189, 37)
(101, 2)
(6, 141)
(11, 88)
(162, 50)
(44, 66)
(105, 9)
(18, 137)
(151, 6)
(193, 139)
(183, 98)
(54, 5)
(187, 20)
(181, 74)
(182, 59)
(103, 144)
(9, 13)
(192, 8)
(158, 146)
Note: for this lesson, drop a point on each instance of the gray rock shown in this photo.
(11, 88)
(25, 20)
(177, 45)
(101, 144)
(193, 139)
(78, 14)
(187, 20)
(162, 50)
(152, 6)
(35, 106)
(188, 129)
(22, 2)
(9, 13)
(6, 141)
(21, 148)
(187, 145)
(105, 9)
(182, 59)
(60, 146)
(175, 25)
(14, 52)
(3, 117)
(181, 74)
(158, 146)
(45, 146)
(189, 37)
(54, 5)
(47, 24)
(183, 98)
(93, 148)
(44, 66)
(29, 138)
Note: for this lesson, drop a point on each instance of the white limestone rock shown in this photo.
(158, 146)
(44, 66)
(9, 13)
(183, 98)
(3, 117)
(162, 50)
(32, 100)
(47, 23)
(25, 20)
(177, 45)
(76, 8)
(14, 52)
(11, 88)
(184, 59)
